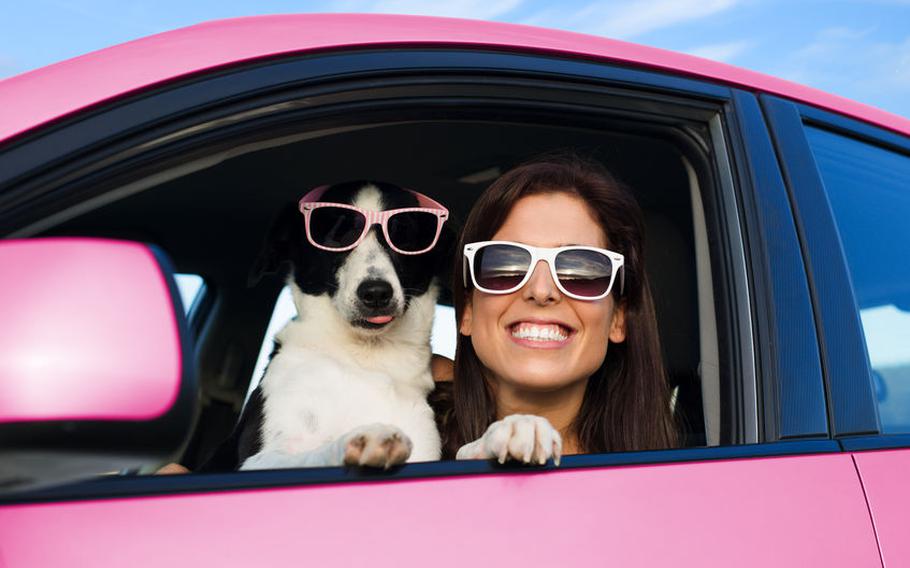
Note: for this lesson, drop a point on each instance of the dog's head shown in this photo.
(370, 286)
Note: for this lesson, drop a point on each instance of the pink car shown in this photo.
(778, 234)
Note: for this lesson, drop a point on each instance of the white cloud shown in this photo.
(724, 52)
(642, 16)
(476, 9)
(854, 63)
(631, 18)
(900, 66)
(834, 51)
(830, 40)
(122, 19)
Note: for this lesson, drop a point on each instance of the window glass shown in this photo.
(869, 190)
(442, 340)
(191, 287)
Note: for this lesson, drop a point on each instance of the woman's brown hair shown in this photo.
(626, 403)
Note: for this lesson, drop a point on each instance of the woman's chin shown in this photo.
(541, 378)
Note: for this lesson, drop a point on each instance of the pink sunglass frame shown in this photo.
(309, 202)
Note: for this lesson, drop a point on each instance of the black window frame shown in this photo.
(33, 168)
(792, 382)
(854, 411)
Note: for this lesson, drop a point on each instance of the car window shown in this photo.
(454, 160)
(442, 340)
(191, 287)
(869, 191)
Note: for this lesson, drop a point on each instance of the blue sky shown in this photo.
(858, 49)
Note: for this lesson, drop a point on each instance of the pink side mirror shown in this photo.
(94, 372)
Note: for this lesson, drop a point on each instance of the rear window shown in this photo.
(869, 191)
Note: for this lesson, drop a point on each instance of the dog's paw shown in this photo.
(377, 445)
(521, 437)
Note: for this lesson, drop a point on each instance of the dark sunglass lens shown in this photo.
(584, 272)
(501, 267)
(412, 231)
(336, 227)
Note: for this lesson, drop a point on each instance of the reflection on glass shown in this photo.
(887, 332)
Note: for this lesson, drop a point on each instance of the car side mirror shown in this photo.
(96, 370)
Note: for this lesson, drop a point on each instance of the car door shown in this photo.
(782, 511)
(851, 183)
(769, 487)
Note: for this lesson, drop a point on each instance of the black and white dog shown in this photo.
(348, 381)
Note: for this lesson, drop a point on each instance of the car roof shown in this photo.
(44, 95)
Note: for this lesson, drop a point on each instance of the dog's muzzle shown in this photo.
(376, 304)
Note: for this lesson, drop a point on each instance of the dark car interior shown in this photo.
(211, 217)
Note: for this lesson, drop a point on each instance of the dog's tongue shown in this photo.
(379, 320)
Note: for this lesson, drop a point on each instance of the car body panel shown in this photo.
(56, 91)
(884, 475)
(796, 511)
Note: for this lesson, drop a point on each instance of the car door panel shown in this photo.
(884, 475)
(781, 511)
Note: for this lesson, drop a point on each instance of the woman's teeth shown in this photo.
(539, 332)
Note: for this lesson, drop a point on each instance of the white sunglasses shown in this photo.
(580, 272)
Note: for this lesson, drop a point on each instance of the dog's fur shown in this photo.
(339, 390)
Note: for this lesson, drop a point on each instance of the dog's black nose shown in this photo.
(375, 293)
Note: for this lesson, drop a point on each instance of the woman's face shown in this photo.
(494, 321)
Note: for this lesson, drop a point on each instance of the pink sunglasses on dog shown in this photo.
(340, 227)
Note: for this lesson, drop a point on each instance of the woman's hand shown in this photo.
(522, 437)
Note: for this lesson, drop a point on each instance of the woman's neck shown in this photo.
(560, 407)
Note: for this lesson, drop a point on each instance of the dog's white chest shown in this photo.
(311, 398)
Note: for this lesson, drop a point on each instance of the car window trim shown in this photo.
(741, 343)
(116, 487)
(877, 442)
(66, 139)
(853, 128)
(793, 394)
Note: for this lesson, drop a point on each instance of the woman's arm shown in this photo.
(172, 468)
(442, 367)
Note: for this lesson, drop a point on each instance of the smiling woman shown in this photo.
(544, 329)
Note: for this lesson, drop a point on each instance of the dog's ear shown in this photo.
(279, 246)
(444, 251)
(445, 246)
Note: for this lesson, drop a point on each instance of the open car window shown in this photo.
(665, 175)
(211, 204)
(867, 189)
